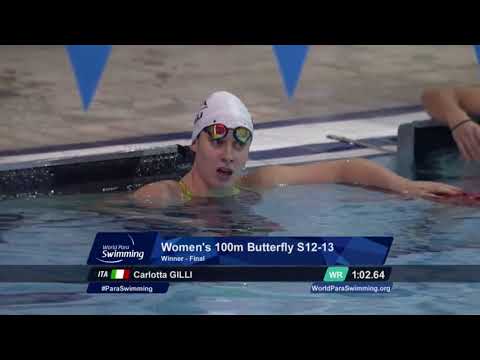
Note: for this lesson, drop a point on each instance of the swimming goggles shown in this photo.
(219, 131)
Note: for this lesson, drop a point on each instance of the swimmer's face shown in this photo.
(220, 162)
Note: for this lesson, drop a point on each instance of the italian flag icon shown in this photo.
(117, 274)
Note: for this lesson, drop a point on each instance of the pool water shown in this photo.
(61, 229)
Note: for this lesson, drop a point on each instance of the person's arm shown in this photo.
(452, 107)
(350, 172)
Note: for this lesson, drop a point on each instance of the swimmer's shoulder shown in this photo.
(158, 194)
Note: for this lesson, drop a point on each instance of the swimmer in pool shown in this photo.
(222, 135)
(457, 108)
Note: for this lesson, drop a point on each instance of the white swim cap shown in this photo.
(222, 108)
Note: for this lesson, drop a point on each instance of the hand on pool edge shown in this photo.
(430, 190)
(467, 137)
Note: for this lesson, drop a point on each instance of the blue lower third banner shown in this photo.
(120, 249)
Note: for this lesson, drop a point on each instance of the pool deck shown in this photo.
(154, 90)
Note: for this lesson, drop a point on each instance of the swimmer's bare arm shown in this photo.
(452, 106)
(350, 172)
(160, 194)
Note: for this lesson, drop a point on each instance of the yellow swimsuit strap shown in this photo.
(187, 195)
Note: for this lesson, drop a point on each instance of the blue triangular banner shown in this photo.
(88, 63)
(477, 51)
(291, 59)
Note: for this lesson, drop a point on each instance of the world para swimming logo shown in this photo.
(116, 254)
(121, 249)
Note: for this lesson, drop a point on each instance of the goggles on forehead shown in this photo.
(219, 131)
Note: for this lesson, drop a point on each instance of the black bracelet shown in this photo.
(460, 124)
